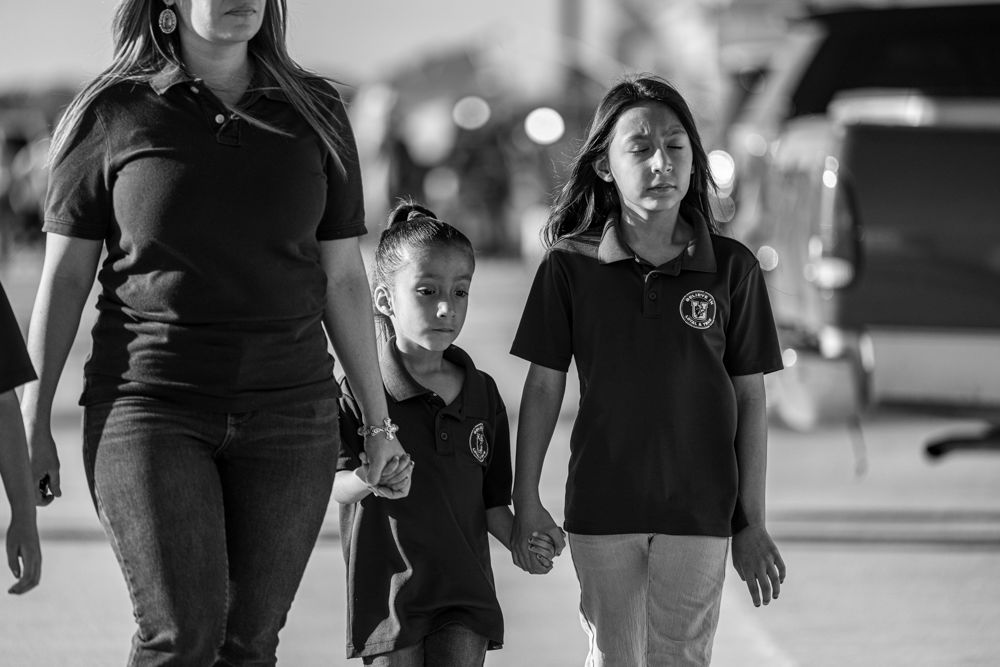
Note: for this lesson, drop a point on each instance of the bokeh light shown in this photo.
(544, 126)
(471, 112)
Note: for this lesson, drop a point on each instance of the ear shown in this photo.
(383, 301)
(603, 169)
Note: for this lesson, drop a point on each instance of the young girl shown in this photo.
(23, 554)
(420, 586)
(671, 330)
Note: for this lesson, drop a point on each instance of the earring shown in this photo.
(167, 21)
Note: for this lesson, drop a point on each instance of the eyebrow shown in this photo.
(641, 134)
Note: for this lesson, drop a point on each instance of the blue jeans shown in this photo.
(649, 599)
(212, 517)
(453, 645)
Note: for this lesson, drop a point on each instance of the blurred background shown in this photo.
(855, 145)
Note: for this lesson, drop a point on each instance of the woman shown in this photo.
(222, 179)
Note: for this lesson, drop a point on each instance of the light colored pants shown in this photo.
(649, 600)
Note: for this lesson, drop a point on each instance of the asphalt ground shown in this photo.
(893, 559)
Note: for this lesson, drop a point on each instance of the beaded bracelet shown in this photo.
(387, 427)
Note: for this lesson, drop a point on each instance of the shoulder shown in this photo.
(583, 245)
(730, 252)
(323, 91)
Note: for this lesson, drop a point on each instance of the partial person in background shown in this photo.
(671, 330)
(222, 180)
(24, 556)
(419, 579)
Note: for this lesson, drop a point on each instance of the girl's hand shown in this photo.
(532, 519)
(24, 556)
(757, 561)
(544, 549)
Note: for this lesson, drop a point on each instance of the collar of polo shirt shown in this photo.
(699, 256)
(261, 84)
(401, 386)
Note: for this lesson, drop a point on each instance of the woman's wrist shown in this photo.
(385, 427)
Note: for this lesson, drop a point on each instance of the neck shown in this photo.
(661, 229)
(224, 68)
(420, 361)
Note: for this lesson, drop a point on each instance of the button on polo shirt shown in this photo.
(653, 445)
(418, 563)
(213, 292)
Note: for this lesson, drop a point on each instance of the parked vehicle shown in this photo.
(868, 182)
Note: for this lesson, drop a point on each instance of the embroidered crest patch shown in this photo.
(698, 309)
(477, 442)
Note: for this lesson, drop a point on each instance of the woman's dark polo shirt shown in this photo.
(15, 366)
(419, 563)
(653, 446)
(212, 289)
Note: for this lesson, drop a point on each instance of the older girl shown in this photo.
(671, 330)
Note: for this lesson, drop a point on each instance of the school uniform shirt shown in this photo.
(653, 445)
(213, 291)
(421, 562)
(15, 366)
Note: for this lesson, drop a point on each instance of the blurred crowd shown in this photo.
(457, 130)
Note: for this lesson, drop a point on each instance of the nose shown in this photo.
(444, 308)
(661, 163)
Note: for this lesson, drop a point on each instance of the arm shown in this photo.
(67, 276)
(24, 556)
(755, 556)
(541, 400)
(349, 323)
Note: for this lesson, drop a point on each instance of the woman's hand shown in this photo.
(394, 479)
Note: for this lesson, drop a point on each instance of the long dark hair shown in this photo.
(142, 50)
(410, 227)
(586, 201)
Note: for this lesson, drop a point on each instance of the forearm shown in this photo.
(15, 469)
(541, 401)
(499, 523)
(348, 488)
(350, 324)
(751, 446)
(67, 276)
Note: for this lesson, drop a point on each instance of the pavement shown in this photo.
(892, 558)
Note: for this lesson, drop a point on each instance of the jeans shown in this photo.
(212, 517)
(452, 646)
(648, 600)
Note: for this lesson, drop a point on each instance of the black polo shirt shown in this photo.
(653, 446)
(212, 289)
(419, 563)
(15, 366)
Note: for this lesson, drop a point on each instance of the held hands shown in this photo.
(535, 539)
(757, 561)
(393, 481)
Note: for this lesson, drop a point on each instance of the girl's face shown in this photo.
(429, 298)
(219, 21)
(649, 159)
